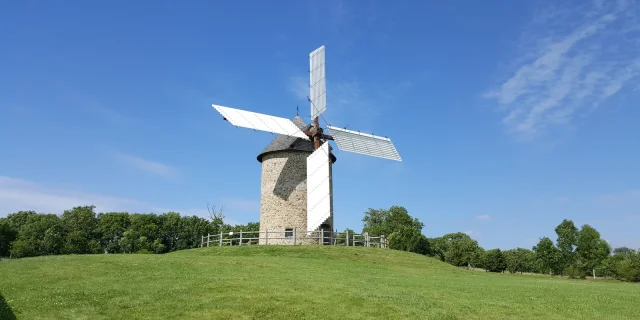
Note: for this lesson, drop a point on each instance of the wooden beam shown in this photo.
(316, 138)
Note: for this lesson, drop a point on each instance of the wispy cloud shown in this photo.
(483, 217)
(231, 215)
(473, 234)
(560, 199)
(299, 87)
(580, 59)
(620, 197)
(136, 162)
(350, 21)
(84, 103)
(19, 194)
(352, 102)
(235, 210)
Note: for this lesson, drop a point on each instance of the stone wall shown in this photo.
(283, 198)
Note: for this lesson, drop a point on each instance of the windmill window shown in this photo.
(288, 233)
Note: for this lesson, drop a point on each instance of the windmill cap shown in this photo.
(288, 143)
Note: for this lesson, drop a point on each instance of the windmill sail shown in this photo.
(259, 121)
(318, 187)
(363, 143)
(317, 82)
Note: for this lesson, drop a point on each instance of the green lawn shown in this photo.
(286, 282)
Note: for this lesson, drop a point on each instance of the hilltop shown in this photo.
(278, 282)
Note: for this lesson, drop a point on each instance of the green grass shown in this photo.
(285, 282)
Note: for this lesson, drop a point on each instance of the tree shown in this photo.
(495, 261)
(409, 239)
(479, 258)
(217, 217)
(622, 251)
(567, 241)
(548, 256)
(7, 235)
(82, 230)
(384, 222)
(112, 228)
(40, 234)
(459, 248)
(403, 231)
(591, 250)
(438, 247)
(519, 260)
(628, 267)
(20, 218)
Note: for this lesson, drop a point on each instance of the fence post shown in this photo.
(321, 237)
(295, 234)
(208, 235)
(240, 238)
(347, 238)
(266, 236)
(220, 241)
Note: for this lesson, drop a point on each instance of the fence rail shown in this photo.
(293, 237)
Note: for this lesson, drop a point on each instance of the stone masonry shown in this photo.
(283, 198)
(283, 192)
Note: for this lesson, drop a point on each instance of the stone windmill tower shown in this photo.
(297, 185)
(283, 190)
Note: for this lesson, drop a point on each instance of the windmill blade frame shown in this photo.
(363, 143)
(259, 121)
(317, 82)
(318, 187)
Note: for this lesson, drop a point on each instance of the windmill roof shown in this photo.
(288, 143)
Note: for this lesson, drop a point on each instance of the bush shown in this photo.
(629, 267)
(7, 235)
(573, 272)
(495, 261)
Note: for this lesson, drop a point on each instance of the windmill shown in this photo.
(318, 197)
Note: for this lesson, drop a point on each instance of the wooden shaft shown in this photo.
(316, 139)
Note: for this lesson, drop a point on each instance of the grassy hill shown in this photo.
(285, 282)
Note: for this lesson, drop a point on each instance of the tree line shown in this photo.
(83, 231)
(576, 253)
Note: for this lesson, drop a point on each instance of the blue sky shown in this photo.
(509, 115)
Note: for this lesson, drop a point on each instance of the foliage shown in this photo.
(520, 260)
(402, 230)
(591, 251)
(7, 235)
(478, 258)
(495, 261)
(459, 249)
(577, 253)
(566, 242)
(548, 256)
(628, 266)
(83, 231)
(409, 239)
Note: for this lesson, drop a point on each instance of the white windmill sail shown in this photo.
(317, 82)
(318, 187)
(259, 121)
(363, 143)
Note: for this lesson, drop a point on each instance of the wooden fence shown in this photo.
(293, 237)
